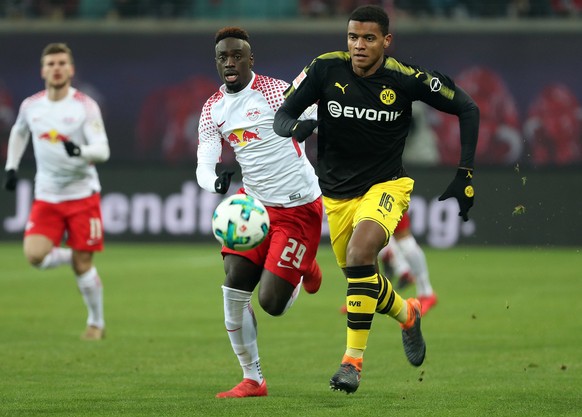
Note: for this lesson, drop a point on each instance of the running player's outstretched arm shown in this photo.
(468, 114)
(450, 98)
(461, 187)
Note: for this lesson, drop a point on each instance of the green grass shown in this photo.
(505, 340)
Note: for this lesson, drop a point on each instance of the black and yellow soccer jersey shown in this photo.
(364, 121)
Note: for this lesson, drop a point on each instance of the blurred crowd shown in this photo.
(451, 8)
(267, 9)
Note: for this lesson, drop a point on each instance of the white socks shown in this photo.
(57, 257)
(89, 284)
(293, 297)
(399, 261)
(418, 266)
(92, 291)
(241, 326)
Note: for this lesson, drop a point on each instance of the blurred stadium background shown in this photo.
(150, 64)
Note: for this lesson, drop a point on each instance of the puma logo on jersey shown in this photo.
(418, 74)
(343, 88)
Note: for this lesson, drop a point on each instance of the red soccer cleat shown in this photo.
(247, 388)
(427, 302)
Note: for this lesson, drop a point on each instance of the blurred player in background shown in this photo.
(68, 138)
(364, 114)
(403, 259)
(421, 142)
(275, 171)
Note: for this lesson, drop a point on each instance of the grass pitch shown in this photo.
(504, 340)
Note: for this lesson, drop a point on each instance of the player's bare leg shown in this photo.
(39, 249)
(368, 293)
(41, 253)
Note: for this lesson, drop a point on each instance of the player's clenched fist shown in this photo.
(303, 129)
(223, 182)
(10, 180)
(72, 149)
(462, 189)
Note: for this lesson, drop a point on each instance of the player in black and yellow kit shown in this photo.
(364, 113)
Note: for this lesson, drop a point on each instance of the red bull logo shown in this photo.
(242, 137)
(53, 136)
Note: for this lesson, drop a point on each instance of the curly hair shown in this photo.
(231, 32)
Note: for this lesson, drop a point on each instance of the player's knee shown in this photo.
(35, 258)
(272, 306)
(36, 249)
(357, 255)
(35, 261)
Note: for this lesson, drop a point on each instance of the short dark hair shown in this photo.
(231, 32)
(372, 13)
(56, 48)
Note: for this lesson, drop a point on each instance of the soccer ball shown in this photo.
(240, 222)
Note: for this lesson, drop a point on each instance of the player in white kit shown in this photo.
(68, 138)
(277, 172)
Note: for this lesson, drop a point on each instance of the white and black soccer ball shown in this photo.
(240, 222)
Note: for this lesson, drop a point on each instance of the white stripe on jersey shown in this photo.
(76, 118)
(274, 169)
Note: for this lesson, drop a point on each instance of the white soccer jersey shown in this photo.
(274, 169)
(75, 118)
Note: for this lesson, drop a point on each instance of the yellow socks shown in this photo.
(361, 301)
